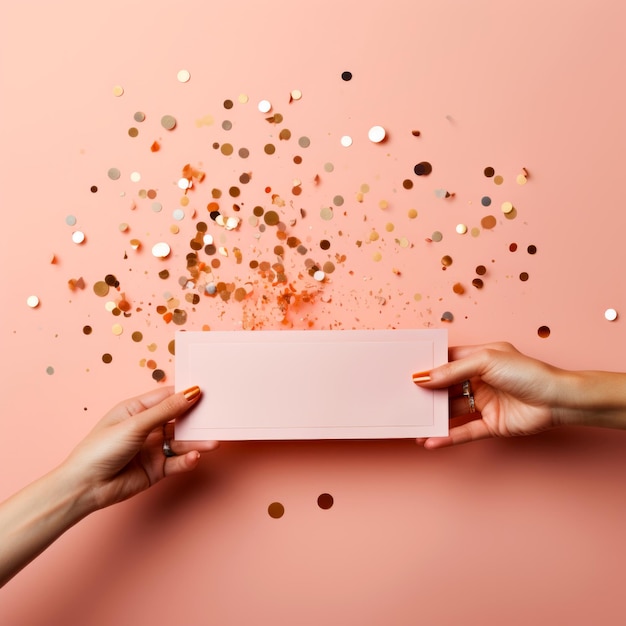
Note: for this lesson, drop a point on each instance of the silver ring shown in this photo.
(467, 392)
(167, 448)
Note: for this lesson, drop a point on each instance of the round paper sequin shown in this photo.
(32, 302)
(325, 501)
(161, 250)
(118, 91)
(610, 315)
(168, 122)
(264, 106)
(376, 134)
(276, 510)
(183, 76)
(78, 236)
(346, 141)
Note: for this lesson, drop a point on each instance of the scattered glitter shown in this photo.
(325, 501)
(32, 302)
(543, 332)
(183, 76)
(276, 510)
(610, 315)
(376, 134)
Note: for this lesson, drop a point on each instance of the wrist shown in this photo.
(593, 398)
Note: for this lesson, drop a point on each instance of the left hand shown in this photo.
(123, 454)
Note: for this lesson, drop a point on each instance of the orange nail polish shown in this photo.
(192, 393)
(421, 377)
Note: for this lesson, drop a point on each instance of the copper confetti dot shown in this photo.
(133, 132)
(389, 227)
(264, 106)
(158, 375)
(531, 249)
(325, 501)
(137, 336)
(285, 134)
(346, 76)
(424, 168)
(523, 276)
(481, 270)
(458, 288)
(168, 122)
(155, 147)
(498, 180)
(328, 267)
(226, 149)
(324, 244)
(78, 237)
(416, 133)
(412, 214)
(118, 91)
(513, 247)
(171, 347)
(478, 283)
(269, 148)
(376, 134)
(489, 172)
(543, 332)
(113, 173)
(276, 510)
(93, 189)
(610, 315)
(446, 260)
(228, 104)
(106, 358)
(488, 222)
(183, 76)
(32, 302)
(161, 250)
(111, 281)
(139, 116)
(87, 330)
(271, 218)
(151, 364)
(297, 159)
(244, 153)
(407, 183)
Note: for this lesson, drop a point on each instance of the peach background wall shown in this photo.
(500, 532)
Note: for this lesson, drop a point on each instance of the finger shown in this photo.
(471, 431)
(473, 365)
(183, 447)
(170, 408)
(180, 464)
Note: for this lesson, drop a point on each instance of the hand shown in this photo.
(123, 454)
(513, 393)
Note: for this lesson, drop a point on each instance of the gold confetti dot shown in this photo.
(276, 510)
(412, 214)
(296, 94)
(377, 256)
(507, 207)
(118, 91)
(117, 329)
(498, 180)
(137, 336)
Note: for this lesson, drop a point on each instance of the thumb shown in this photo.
(170, 408)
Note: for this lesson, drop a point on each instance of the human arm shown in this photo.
(517, 395)
(120, 457)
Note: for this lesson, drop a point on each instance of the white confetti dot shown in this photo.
(161, 250)
(183, 76)
(319, 276)
(346, 141)
(32, 302)
(610, 315)
(265, 106)
(178, 215)
(376, 134)
(78, 236)
(184, 183)
(135, 177)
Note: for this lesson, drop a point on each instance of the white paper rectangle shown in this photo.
(310, 384)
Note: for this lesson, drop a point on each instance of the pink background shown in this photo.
(500, 532)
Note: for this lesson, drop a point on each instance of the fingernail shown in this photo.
(192, 393)
(421, 377)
